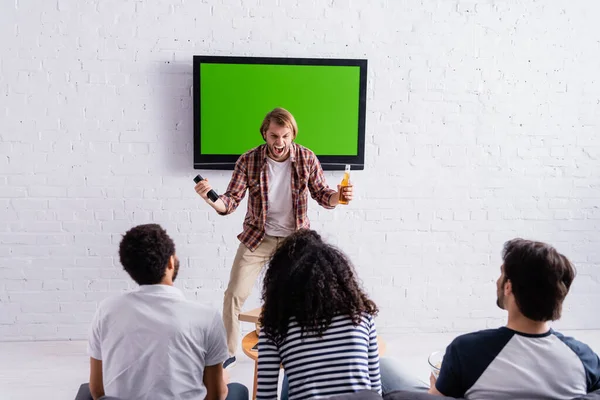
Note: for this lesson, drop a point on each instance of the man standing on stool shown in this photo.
(278, 175)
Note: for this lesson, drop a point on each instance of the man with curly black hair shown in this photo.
(317, 322)
(153, 343)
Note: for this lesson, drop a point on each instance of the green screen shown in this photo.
(234, 99)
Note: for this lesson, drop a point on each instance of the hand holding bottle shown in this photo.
(345, 188)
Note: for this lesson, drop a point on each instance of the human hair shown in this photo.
(144, 252)
(540, 277)
(281, 117)
(310, 281)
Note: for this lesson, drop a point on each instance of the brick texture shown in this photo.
(482, 125)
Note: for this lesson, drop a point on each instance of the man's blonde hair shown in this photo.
(281, 117)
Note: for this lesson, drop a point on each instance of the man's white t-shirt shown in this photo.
(280, 210)
(154, 344)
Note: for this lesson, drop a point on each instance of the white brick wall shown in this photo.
(482, 125)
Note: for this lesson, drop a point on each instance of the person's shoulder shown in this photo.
(256, 151)
(111, 307)
(483, 338)
(304, 152)
(588, 358)
(485, 334)
(199, 307)
(252, 156)
(367, 318)
(115, 302)
(580, 348)
(568, 339)
(202, 314)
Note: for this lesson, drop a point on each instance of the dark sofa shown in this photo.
(403, 395)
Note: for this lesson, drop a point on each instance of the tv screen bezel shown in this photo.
(328, 162)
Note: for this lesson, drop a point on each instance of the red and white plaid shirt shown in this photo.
(250, 173)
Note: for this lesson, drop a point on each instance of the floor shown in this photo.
(54, 370)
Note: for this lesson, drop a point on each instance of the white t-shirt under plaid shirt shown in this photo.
(344, 360)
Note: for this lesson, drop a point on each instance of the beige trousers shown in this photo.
(244, 271)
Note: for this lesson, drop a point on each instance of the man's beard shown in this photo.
(500, 301)
(176, 269)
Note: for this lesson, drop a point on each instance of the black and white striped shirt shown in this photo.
(344, 360)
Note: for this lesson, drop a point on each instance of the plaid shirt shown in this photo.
(250, 173)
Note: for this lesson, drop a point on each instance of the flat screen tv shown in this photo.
(232, 95)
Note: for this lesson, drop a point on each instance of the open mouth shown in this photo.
(278, 150)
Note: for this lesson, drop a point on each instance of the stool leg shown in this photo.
(255, 379)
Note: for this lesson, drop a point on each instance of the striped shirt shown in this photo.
(251, 173)
(344, 360)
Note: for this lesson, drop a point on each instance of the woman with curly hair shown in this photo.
(316, 322)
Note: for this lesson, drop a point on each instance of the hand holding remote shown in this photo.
(204, 189)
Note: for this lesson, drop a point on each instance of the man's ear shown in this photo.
(507, 287)
(171, 262)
